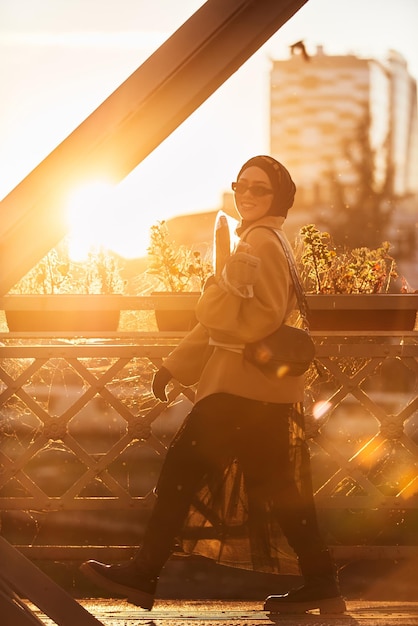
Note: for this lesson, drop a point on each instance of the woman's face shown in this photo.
(253, 195)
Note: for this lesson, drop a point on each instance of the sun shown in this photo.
(99, 216)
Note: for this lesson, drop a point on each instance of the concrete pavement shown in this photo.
(241, 613)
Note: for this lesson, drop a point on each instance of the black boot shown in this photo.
(320, 591)
(127, 579)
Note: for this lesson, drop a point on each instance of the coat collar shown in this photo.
(271, 221)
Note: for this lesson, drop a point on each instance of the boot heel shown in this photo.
(144, 600)
(332, 605)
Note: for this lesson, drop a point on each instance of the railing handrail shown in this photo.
(186, 300)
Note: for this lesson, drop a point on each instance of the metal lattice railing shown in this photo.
(82, 440)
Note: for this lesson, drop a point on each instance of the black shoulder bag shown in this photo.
(288, 351)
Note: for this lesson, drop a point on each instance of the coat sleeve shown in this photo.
(186, 362)
(231, 319)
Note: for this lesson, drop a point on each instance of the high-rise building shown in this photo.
(404, 125)
(320, 104)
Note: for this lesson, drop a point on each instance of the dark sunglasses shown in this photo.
(258, 191)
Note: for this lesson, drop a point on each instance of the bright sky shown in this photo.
(61, 58)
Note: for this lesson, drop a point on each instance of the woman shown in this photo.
(236, 477)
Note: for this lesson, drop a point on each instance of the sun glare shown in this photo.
(89, 208)
(98, 217)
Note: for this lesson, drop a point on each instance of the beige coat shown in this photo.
(227, 318)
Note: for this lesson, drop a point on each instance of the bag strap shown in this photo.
(297, 282)
(294, 273)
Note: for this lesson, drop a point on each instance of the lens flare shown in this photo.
(320, 408)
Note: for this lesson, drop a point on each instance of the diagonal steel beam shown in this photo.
(24, 580)
(199, 57)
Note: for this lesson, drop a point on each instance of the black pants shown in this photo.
(266, 440)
